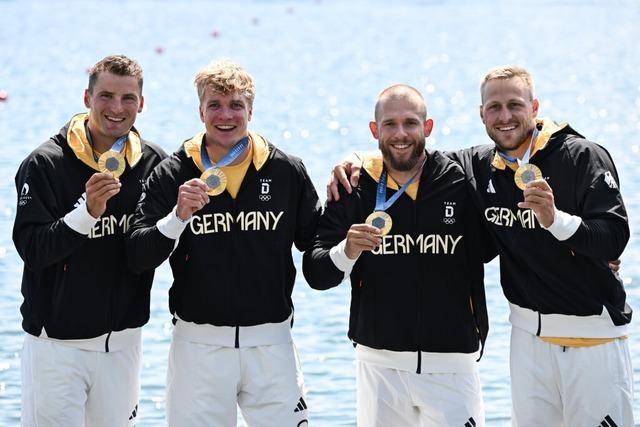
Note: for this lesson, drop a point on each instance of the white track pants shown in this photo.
(563, 386)
(206, 384)
(69, 387)
(391, 397)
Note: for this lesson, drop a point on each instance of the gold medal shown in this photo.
(381, 220)
(112, 162)
(525, 174)
(216, 181)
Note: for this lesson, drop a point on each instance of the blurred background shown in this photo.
(318, 65)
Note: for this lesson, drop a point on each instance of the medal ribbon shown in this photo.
(117, 146)
(232, 155)
(381, 192)
(525, 156)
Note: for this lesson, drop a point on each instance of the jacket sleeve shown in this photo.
(318, 268)
(603, 230)
(308, 211)
(480, 249)
(147, 247)
(40, 234)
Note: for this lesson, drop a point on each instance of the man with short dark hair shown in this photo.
(83, 307)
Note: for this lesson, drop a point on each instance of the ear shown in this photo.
(373, 127)
(250, 113)
(428, 127)
(201, 112)
(141, 104)
(482, 114)
(87, 98)
(535, 105)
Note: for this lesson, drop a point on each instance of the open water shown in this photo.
(319, 66)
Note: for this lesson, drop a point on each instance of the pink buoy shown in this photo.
(3, 95)
(159, 50)
(215, 34)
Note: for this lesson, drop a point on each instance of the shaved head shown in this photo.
(404, 92)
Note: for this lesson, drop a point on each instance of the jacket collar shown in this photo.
(547, 128)
(372, 163)
(260, 148)
(79, 143)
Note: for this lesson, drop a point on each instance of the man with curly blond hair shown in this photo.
(226, 209)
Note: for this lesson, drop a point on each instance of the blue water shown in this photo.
(319, 66)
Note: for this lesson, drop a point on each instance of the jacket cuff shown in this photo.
(80, 220)
(171, 226)
(564, 225)
(340, 258)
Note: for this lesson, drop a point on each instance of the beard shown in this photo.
(512, 143)
(401, 164)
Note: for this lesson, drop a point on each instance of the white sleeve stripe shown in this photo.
(564, 225)
(171, 226)
(340, 258)
(80, 220)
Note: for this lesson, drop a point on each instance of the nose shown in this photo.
(401, 131)
(504, 115)
(226, 113)
(116, 105)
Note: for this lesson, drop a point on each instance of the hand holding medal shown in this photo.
(538, 196)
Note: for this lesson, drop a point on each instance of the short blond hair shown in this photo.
(225, 77)
(401, 91)
(504, 72)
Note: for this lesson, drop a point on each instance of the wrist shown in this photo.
(182, 220)
(350, 253)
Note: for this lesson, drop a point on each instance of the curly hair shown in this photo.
(225, 77)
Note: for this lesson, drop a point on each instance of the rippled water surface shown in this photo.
(318, 66)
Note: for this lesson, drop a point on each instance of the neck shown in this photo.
(99, 143)
(402, 176)
(522, 149)
(217, 152)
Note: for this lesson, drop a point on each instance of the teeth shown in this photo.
(400, 146)
(115, 119)
(225, 127)
(507, 128)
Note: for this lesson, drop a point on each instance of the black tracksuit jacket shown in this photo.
(77, 286)
(419, 291)
(232, 265)
(538, 271)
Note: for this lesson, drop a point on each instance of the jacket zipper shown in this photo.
(418, 293)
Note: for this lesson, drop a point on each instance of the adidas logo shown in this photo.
(134, 413)
(471, 422)
(301, 406)
(607, 422)
(490, 189)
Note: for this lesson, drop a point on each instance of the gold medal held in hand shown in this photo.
(216, 181)
(525, 174)
(381, 220)
(112, 162)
